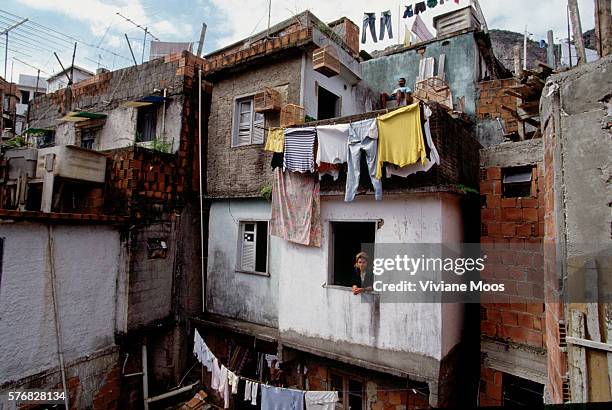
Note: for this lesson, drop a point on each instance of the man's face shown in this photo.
(402, 82)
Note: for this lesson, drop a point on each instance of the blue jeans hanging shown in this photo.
(369, 19)
(385, 22)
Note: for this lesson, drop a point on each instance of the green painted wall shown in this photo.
(382, 73)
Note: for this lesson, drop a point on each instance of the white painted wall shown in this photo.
(352, 98)
(249, 297)
(308, 308)
(119, 128)
(91, 272)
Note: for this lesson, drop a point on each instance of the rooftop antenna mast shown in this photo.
(145, 29)
(6, 32)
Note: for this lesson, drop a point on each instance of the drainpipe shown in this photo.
(201, 189)
(58, 329)
(145, 380)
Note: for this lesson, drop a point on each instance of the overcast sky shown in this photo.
(95, 22)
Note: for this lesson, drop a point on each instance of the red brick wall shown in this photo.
(490, 387)
(491, 97)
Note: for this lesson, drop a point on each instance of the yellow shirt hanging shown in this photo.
(400, 138)
(276, 140)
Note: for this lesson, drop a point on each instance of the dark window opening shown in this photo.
(146, 123)
(253, 247)
(157, 248)
(522, 392)
(328, 104)
(25, 96)
(46, 139)
(350, 390)
(347, 240)
(88, 137)
(516, 182)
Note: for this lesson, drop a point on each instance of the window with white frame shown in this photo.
(253, 247)
(248, 124)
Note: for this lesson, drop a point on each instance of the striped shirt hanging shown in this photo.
(299, 147)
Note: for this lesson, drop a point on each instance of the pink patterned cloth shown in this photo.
(296, 208)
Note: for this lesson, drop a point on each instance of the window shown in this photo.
(253, 247)
(517, 182)
(248, 124)
(519, 392)
(350, 390)
(328, 104)
(347, 238)
(89, 137)
(45, 139)
(146, 123)
(25, 96)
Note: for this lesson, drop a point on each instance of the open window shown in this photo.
(517, 182)
(346, 242)
(350, 390)
(519, 392)
(146, 123)
(328, 104)
(45, 138)
(253, 247)
(248, 125)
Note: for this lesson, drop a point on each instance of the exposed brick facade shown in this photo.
(243, 171)
(512, 229)
(490, 99)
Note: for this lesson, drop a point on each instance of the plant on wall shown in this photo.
(266, 192)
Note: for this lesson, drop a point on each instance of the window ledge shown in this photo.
(349, 289)
(248, 272)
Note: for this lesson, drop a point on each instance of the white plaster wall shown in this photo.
(336, 314)
(89, 263)
(250, 297)
(119, 128)
(64, 133)
(352, 102)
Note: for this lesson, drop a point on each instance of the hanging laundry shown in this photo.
(276, 140)
(434, 157)
(369, 20)
(278, 159)
(215, 379)
(332, 143)
(363, 136)
(299, 148)
(408, 12)
(432, 3)
(385, 23)
(250, 392)
(296, 208)
(321, 400)
(278, 398)
(419, 7)
(232, 380)
(420, 30)
(543, 44)
(224, 386)
(329, 169)
(272, 359)
(441, 2)
(400, 138)
(202, 352)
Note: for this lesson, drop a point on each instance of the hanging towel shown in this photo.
(278, 398)
(296, 208)
(400, 138)
(254, 387)
(321, 400)
(202, 352)
(224, 386)
(215, 380)
(332, 140)
(299, 146)
(276, 140)
(434, 158)
(248, 388)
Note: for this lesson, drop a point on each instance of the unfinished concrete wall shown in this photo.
(575, 116)
(249, 297)
(90, 266)
(242, 171)
(492, 120)
(462, 59)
